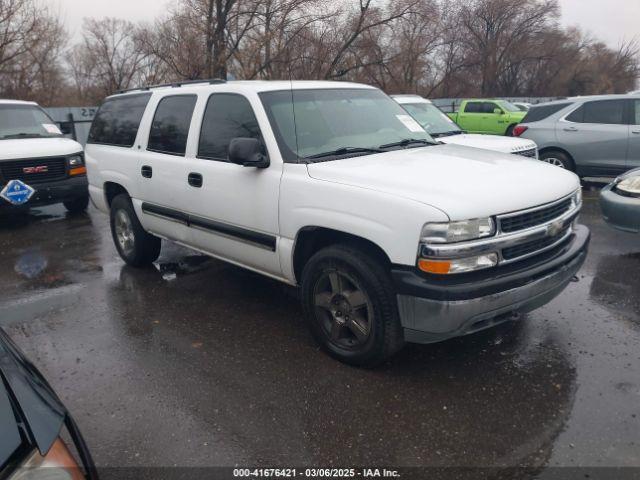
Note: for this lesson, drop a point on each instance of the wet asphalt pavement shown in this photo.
(199, 363)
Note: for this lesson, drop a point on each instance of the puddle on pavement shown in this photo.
(190, 264)
(616, 285)
(31, 264)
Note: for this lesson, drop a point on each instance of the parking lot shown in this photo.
(199, 363)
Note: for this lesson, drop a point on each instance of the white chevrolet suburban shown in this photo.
(332, 187)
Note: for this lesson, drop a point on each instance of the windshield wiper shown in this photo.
(406, 142)
(447, 134)
(345, 151)
(24, 135)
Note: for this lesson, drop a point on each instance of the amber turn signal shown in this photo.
(434, 266)
(78, 171)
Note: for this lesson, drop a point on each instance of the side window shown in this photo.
(227, 116)
(473, 107)
(170, 126)
(636, 120)
(118, 120)
(489, 107)
(608, 112)
(577, 116)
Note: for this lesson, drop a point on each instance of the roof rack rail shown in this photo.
(210, 81)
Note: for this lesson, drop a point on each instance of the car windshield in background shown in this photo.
(25, 121)
(432, 119)
(327, 124)
(508, 106)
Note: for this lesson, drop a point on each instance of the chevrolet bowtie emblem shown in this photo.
(555, 228)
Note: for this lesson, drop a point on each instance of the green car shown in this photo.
(492, 117)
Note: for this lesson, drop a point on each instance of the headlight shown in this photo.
(457, 231)
(75, 161)
(577, 198)
(58, 464)
(630, 186)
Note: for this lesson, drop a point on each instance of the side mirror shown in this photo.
(498, 111)
(248, 152)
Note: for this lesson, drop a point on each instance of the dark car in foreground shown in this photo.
(620, 202)
(32, 423)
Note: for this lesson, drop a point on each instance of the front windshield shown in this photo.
(25, 121)
(508, 106)
(431, 118)
(333, 123)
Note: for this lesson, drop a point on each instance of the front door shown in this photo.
(233, 210)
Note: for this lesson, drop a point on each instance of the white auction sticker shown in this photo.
(410, 123)
(51, 128)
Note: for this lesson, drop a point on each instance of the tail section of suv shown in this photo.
(38, 166)
(333, 187)
(592, 136)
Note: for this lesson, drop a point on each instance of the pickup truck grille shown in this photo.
(534, 218)
(33, 170)
(531, 153)
(528, 248)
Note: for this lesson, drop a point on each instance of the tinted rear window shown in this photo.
(537, 113)
(170, 126)
(118, 120)
(473, 107)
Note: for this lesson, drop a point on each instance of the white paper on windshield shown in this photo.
(410, 123)
(51, 128)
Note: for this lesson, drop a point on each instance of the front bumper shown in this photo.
(619, 211)
(432, 311)
(52, 192)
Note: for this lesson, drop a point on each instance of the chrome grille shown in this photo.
(531, 153)
(514, 223)
(534, 246)
(55, 169)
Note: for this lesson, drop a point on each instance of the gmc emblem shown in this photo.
(39, 169)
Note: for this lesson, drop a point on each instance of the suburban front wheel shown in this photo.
(136, 247)
(350, 305)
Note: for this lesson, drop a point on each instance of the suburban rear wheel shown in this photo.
(136, 247)
(557, 158)
(350, 305)
(77, 205)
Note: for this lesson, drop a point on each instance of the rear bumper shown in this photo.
(52, 192)
(619, 211)
(432, 312)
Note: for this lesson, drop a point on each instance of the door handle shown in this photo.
(195, 179)
(570, 129)
(635, 132)
(146, 171)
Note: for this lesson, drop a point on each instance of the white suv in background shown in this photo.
(333, 187)
(445, 130)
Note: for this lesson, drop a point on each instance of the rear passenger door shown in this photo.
(233, 209)
(633, 153)
(162, 167)
(597, 135)
(471, 118)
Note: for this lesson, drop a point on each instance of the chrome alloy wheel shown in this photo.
(554, 161)
(124, 232)
(343, 309)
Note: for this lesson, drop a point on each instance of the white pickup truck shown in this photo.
(445, 130)
(331, 186)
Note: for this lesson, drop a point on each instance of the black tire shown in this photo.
(559, 159)
(509, 132)
(77, 205)
(140, 248)
(358, 273)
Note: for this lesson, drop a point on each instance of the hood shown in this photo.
(15, 149)
(36, 404)
(463, 182)
(490, 142)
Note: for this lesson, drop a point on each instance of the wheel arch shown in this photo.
(553, 148)
(113, 189)
(311, 239)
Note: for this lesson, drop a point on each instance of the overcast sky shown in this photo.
(609, 20)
